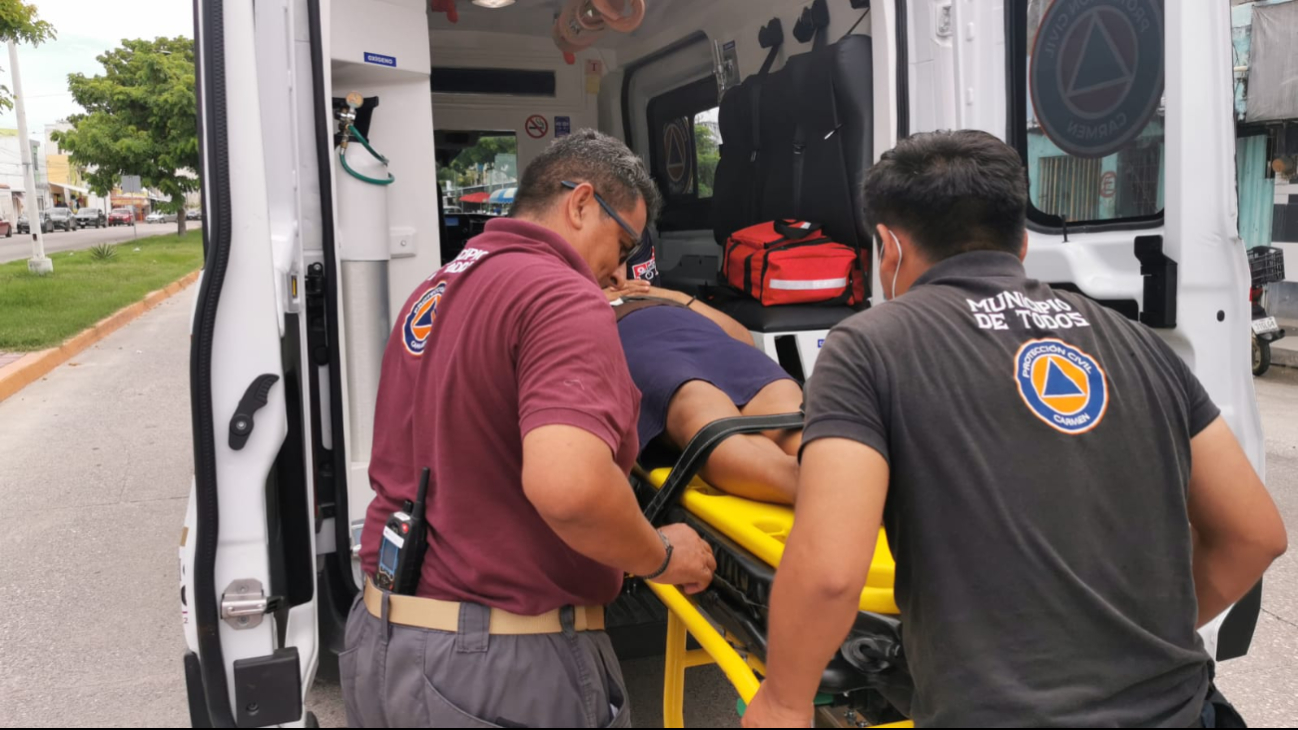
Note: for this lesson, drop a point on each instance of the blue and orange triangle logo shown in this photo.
(1058, 384)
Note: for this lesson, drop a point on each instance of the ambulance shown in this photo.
(350, 148)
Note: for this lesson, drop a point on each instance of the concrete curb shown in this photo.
(1285, 352)
(1284, 356)
(36, 365)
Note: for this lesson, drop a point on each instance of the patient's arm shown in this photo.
(731, 327)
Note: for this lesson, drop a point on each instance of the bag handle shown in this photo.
(786, 227)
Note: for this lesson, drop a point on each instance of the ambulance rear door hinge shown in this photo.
(244, 603)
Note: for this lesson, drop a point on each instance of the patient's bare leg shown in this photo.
(751, 466)
(782, 396)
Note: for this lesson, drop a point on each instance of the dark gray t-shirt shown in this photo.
(1039, 447)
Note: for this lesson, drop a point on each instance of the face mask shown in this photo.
(900, 255)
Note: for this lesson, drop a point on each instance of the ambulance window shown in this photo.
(1089, 110)
(685, 148)
(501, 81)
(477, 175)
(707, 149)
(477, 170)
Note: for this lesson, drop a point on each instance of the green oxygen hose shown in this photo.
(342, 157)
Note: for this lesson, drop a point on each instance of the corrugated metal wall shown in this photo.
(1070, 188)
(1256, 190)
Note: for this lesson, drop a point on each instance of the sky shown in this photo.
(86, 28)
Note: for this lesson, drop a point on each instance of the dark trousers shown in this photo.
(1218, 712)
(399, 676)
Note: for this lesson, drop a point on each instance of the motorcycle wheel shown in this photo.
(1261, 356)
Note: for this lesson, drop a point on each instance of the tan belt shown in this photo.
(429, 613)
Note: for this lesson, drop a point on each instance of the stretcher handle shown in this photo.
(701, 447)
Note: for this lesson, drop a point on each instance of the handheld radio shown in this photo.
(405, 539)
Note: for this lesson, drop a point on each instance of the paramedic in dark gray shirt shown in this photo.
(1065, 504)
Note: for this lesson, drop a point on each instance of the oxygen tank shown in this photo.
(362, 238)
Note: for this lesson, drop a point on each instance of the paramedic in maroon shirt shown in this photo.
(504, 377)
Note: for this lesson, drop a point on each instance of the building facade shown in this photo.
(1266, 116)
(13, 178)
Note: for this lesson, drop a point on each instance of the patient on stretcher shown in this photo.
(694, 365)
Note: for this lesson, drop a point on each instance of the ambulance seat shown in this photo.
(797, 143)
(806, 151)
(785, 318)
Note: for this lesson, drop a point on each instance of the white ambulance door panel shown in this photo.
(238, 400)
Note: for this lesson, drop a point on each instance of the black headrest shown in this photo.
(772, 34)
(814, 18)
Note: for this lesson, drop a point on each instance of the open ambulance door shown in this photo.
(1122, 114)
(294, 251)
(247, 568)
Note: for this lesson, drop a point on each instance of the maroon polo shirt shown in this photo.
(513, 335)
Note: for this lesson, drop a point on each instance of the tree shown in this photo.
(708, 153)
(484, 152)
(18, 23)
(140, 120)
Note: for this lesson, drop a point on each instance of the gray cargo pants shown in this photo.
(399, 676)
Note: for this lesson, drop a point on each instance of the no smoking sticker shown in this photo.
(536, 126)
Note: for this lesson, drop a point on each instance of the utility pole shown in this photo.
(39, 263)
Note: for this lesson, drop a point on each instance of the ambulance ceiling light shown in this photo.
(493, 4)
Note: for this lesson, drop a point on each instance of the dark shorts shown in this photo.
(667, 347)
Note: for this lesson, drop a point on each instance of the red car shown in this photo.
(121, 217)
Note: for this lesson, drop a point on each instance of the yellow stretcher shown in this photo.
(741, 530)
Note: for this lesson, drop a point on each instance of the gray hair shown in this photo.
(619, 176)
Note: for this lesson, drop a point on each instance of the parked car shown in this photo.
(6, 229)
(87, 217)
(121, 217)
(158, 217)
(62, 219)
(193, 214)
(25, 227)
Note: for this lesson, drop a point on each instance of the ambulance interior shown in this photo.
(501, 82)
(503, 89)
(746, 111)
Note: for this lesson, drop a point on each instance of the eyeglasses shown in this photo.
(627, 253)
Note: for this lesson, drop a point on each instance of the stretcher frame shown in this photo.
(758, 527)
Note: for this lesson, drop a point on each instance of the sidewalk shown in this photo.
(98, 453)
(1284, 352)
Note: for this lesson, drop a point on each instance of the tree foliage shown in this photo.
(708, 151)
(20, 24)
(463, 170)
(140, 119)
(484, 152)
